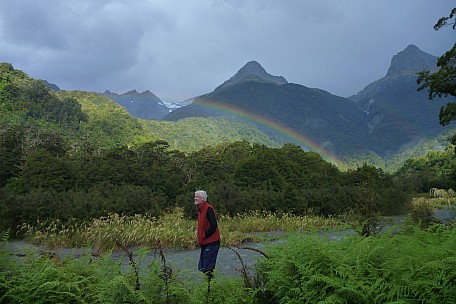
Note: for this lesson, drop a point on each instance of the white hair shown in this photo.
(202, 193)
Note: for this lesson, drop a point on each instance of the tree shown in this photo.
(366, 184)
(10, 152)
(443, 82)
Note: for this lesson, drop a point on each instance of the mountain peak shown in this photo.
(132, 92)
(252, 70)
(411, 60)
(149, 94)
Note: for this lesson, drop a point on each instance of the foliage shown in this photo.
(422, 212)
(193, 134)
(108, 125)
(105, 280)
(151, 178)
(424, 207)
(373, 193)
(435, 170)
(76, 156)
(416, 268)
(443, 82)
(355, 160)
(441, 142)
(32, 99)
(11, 153)
(86, 280)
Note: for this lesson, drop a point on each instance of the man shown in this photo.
(208, 234)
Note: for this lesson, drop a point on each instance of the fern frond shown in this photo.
(4, 236)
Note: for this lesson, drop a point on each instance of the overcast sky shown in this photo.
(180, 49)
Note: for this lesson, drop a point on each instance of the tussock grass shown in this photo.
(244, 227)
(172, 230)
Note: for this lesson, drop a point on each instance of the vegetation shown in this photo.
(193, 134)
(172, 230)
(435, 170)
(418, 267)
(442, 82)
(151, 179)
(413, 267)
(77, 156)
(438, 143)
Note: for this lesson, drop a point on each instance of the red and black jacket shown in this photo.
(208, 231)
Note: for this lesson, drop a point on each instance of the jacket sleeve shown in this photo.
(210, 215)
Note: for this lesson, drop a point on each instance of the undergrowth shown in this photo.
(419, 267)
(413, 265)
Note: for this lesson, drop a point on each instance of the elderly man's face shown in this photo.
(198, 199)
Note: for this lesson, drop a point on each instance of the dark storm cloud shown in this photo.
(77, 44)
(180, 49)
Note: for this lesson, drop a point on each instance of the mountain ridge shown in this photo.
(381, 118)
(386, 116)
(144, 105)
(313, 113)
(395, 109)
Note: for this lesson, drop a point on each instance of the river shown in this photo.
(230, 260)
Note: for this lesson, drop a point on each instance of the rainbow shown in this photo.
(305, 143)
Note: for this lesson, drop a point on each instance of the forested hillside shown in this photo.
(193, 134)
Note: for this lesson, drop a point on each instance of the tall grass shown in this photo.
(172, 230)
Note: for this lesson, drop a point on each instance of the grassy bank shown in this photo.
(171, 230)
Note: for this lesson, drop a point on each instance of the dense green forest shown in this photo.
(78, 155)
(194, 133)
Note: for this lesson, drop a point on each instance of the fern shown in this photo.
(415, 268)
(4, 236)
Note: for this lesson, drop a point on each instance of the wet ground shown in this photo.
(230, 261)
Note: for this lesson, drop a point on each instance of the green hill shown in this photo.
(90, 122)
(192, 134)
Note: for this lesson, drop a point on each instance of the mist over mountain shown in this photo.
(142, 105)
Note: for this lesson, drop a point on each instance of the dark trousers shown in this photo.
(208, 257)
